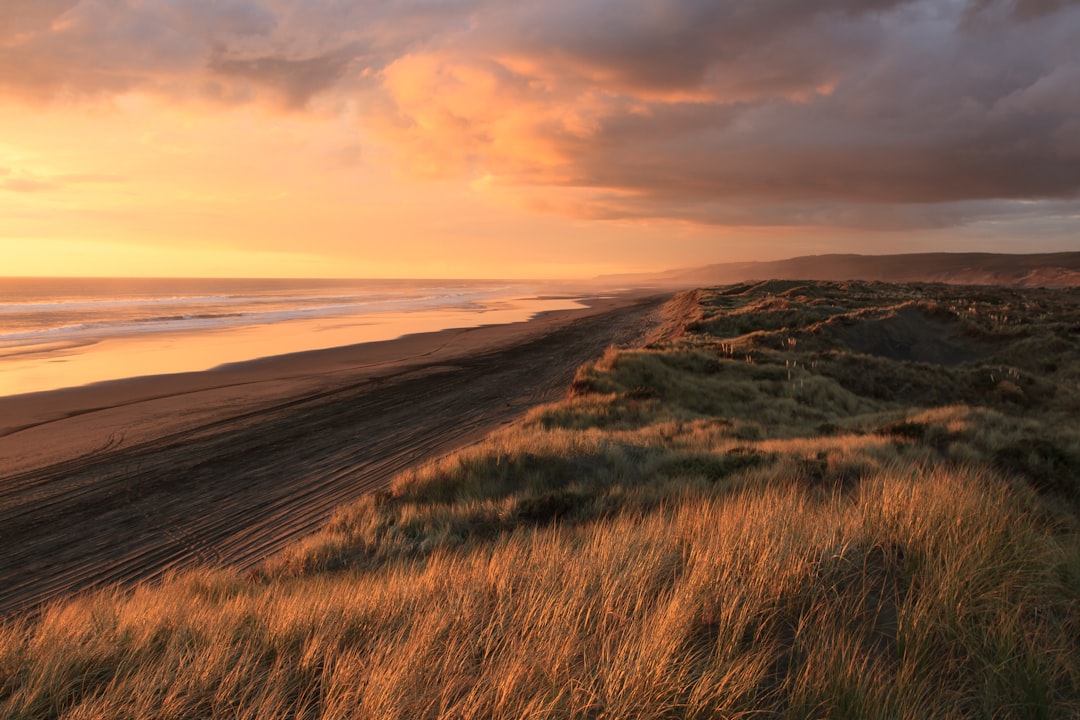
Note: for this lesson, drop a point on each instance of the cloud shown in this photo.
(295, 80)
(693, 46)
(221, 20)
(23, 16)
(860, 113)
(23, 181)
(1019, 10)
(25, 185)
(97, 47)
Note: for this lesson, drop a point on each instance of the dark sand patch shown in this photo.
(123, 481)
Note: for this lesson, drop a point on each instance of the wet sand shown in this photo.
(126, 480)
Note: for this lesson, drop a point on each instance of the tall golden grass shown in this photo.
(666, 543)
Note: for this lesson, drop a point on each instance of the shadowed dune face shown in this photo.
(922, 343)
(907, 334)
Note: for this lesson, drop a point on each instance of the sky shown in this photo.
(533, 138)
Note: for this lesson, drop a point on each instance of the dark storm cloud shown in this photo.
(868, 113)
(1015, 9)
(678, 45)
(296, 80)
(901, 103)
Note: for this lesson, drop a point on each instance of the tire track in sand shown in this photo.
(235, 491)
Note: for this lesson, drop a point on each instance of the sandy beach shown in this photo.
(126, 480)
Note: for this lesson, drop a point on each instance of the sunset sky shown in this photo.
(554, 138)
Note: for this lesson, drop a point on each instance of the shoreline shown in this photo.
(125, 480)
(141, 346)
(265, 378)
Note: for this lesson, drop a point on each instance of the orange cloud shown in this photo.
(452, 114)
(865, 114)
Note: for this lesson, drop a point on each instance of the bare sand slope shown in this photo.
(125, 481)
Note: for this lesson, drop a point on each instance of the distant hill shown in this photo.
(1034, 270)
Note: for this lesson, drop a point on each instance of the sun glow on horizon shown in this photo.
(283, 139)
(142, 188)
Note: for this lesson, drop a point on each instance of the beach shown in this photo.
(126, 480)
(67, 332)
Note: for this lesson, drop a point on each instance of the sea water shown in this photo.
(62, 332)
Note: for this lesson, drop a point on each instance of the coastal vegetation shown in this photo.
(794, 500)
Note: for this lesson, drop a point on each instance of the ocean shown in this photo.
(62, 332)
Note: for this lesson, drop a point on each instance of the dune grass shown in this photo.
(734, 521)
